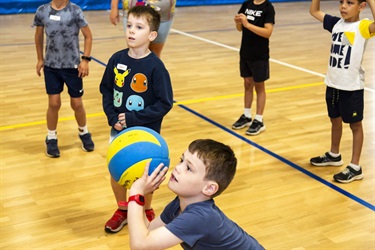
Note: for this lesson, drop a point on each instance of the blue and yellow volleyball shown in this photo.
(131, 150)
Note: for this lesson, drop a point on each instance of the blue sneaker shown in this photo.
(348, 175)
(87, 143)
(52, 148)
(326, 160)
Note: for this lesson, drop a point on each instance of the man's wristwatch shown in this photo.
(87, 58)
(140, 199)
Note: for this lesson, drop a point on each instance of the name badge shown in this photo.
(55, 18)
(121, 66)
(250, 18)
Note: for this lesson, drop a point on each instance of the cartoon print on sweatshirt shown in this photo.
(139, 83)
(135, 102)
(120, 77)
(117, 98)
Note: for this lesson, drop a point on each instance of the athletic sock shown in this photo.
(259, 117)
(51, 134)
(83, 130)
(247, 113)
(334, 155)
(355, 167)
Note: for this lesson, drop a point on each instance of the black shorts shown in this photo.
(259, 70)
(55, 79)
(347, 104)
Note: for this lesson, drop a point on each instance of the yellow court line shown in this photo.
(28, 124)
(239, 95)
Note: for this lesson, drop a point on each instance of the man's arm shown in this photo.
(39, 39)
(371, 3)
(315, 10)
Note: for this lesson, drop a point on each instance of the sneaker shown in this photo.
(52, 148)
(150, 214)
(87, 143)
(242, 122)
(255, 128)
(348, 175)
(326, 160)
(117, 222)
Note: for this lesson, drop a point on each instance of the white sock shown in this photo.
(355, 167)
(83, 130)
(51, 134)
(333, 154)
(259, 117)
(247, 112)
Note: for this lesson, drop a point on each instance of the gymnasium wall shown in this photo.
(30, 6)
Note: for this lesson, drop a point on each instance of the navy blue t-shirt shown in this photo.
(203, 226)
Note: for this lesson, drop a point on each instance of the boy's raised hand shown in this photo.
(149, 183)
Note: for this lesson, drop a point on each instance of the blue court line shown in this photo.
(282, 159)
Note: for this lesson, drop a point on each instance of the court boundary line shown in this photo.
(280, 158)
(272, 60)
(283, 160)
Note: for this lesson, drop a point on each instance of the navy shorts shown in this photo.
(55, 79)
(259, 70)
(347, 104)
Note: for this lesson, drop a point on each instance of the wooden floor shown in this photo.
(276, 195)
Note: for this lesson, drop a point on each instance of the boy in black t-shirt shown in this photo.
(255, 19)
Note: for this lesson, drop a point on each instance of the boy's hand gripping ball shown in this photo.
(131, 149)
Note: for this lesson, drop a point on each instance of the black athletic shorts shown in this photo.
(347, 104)
(259, 70)
(55, 79)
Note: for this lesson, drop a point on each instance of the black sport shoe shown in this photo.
(87, 143)
(52, 148)
(242, 122)
(348, 175)
(326, 160)
(255, 128)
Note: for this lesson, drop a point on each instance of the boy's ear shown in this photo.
(211, 188)
(152, 35)
(362, 6)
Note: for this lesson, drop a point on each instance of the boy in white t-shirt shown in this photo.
(345, 81)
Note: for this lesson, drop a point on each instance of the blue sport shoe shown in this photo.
(87, 143)
(52, 148)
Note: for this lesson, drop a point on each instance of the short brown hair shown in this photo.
(151, 15)
(219, 160)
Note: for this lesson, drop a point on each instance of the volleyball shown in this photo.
(131, 150)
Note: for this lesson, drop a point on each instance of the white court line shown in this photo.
(272, 60)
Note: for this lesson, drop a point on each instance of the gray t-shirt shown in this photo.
(62, 29)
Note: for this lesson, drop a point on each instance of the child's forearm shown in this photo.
(315, 10)
(87, 45)
(265, 31)
(136, 223)
(39, 37)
